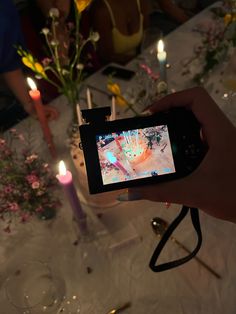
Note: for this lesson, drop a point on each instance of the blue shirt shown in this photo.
(10, 37)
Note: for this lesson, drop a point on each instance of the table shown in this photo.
(124, 242)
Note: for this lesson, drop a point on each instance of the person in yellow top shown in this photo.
(120, 25)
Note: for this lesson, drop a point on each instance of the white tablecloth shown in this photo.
(124, 241)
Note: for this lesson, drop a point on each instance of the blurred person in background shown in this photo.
(15, 102)
(167, 15)
(120, 25)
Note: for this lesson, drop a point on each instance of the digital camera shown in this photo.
(141, 150)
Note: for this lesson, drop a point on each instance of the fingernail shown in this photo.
(129, 196)
(167, 204)
(146, 113)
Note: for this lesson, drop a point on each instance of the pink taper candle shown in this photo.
(36, 97)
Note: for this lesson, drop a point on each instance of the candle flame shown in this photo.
(31, 83)
(160, 46)
(62, 168)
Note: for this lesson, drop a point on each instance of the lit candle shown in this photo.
(113, 108)
(66, 180)
(137, 143)
(130, 137)
(36, 97)
(161, 56)
(89, 99)
(112, 159)
(79, 115)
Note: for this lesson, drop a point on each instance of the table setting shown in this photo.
(91, 253)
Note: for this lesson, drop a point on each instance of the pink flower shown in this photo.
(25, 217)
(39, 193)
(8, 189)
(39, 209)
(26, 196)
(70, 25)
(14, 207)
(31, 158)
(21, 137)
(7, 152)
(35, 185)
(46, 61)
(31, 178)
(2, 142)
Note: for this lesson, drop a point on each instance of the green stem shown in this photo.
(77, 26)
(57, 59)
(132, 109)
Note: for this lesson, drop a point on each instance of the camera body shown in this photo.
(141, 150)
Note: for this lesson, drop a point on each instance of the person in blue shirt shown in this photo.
(10, 64)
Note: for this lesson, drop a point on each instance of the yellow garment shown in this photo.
(125, 44)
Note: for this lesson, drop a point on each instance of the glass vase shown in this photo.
(101, 201)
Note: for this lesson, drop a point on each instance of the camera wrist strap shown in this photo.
(196, 224)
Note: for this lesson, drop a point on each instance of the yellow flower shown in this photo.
(39, 68)
(27, 62)
(82, 4)
(121, 101)
(114, 88)
(227, 18)
(35, 66)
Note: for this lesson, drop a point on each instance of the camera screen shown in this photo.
(135, 154)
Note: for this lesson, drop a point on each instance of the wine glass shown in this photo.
(34, 288)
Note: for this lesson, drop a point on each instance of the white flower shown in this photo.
(54, 12)
(94, 36)
(65, 72)
(31, 158)
(45, 31)
(54, 42)
(80, 66)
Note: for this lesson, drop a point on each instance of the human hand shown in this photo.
(211, 187)
(50, 112)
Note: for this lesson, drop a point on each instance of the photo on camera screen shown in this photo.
(135, 154)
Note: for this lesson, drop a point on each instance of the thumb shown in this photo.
(181, 191)
(171, 192)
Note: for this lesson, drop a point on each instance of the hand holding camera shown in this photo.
(136, 151)
(211, 187)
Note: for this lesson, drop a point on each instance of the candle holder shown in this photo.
(162, 89)
(83, 230)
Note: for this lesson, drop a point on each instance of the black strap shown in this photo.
(196, 224)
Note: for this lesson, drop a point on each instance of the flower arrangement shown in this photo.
(63, 72)
(26, 184)
(216, 41)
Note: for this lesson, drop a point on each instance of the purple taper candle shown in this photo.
(66, 180)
